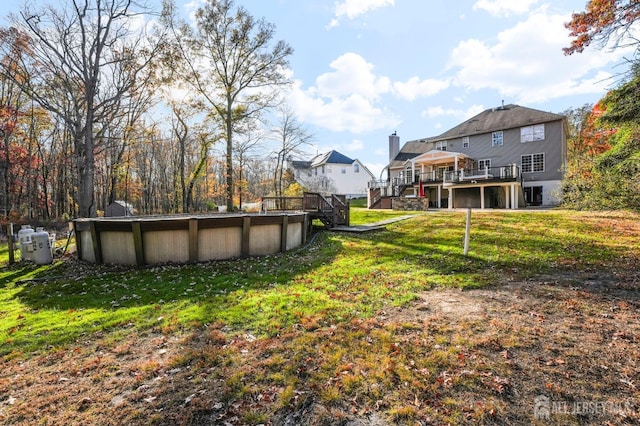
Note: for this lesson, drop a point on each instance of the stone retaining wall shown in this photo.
(409, 204)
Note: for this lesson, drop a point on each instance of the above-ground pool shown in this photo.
(148, 240)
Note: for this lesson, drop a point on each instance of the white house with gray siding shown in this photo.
(505, 157)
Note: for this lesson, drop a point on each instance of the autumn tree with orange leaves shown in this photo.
(604, 167)
(603, 22)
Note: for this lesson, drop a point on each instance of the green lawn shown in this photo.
(311, 319)
(340, 276)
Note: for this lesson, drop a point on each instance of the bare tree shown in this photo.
(291, 137)
(85, 57)
(194, 144)
(232, 67)
(248, 142)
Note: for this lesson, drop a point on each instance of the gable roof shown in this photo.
(500, 118)
(331, 157)
(300, 164)
(490, 120)
(408, 151)
(365, 168)
(436, 156)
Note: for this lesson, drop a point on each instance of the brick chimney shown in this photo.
(394, 146)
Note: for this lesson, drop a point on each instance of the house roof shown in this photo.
(408, 151)
(365, 168)
(123, 204)
(436, 156)
(299, 164)
(500, 118)
(331, 157)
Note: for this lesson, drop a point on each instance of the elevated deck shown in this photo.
(331, 210)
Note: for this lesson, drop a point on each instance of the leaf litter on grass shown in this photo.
(353, 329)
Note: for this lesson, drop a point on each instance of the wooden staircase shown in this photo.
(375, 198)
(331, 211)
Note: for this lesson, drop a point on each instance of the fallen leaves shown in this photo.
(537, 315)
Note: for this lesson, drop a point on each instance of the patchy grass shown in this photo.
(362, 215)
(394, 327)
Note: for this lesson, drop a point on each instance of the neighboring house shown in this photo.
(504, 157)
(332, 173)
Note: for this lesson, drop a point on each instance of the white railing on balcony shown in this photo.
(511, 172)
(373, 184)
(394, 186)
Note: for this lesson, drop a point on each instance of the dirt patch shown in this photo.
(519, 295)
(569, 341)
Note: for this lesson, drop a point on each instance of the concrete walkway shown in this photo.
(372, 226)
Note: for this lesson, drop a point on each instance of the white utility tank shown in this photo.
(24, 238)
(41, 247)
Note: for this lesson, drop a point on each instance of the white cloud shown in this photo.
(191, 7)
(525, 63)
(504, 8)
(414, 88)
(353, 114)
(345, 99)
(353, 75)
(351, 9)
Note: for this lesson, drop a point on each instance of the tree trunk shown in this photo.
(229, 124)
(86, 173)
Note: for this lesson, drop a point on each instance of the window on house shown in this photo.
(322, 169)
(407, 175)
(496, 138)
(533, 163)
(465, 142)
(328, 169)
(441, 145)
(532, 133)
(356, 168)
(343, 171)
(315, 171)
(484, 164)
(538, 162)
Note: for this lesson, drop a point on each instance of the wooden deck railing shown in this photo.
(331, 211)
(340, 209)
(282, 204)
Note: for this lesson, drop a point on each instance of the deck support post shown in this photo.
(246, 233)
(507, 197)
(283, 233)
(95, 240)
(193, 240)
(138, 247)
(467, 231)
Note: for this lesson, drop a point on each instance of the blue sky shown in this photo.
(363, 69)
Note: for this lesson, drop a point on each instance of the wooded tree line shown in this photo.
(604, 140)
(103, 100)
